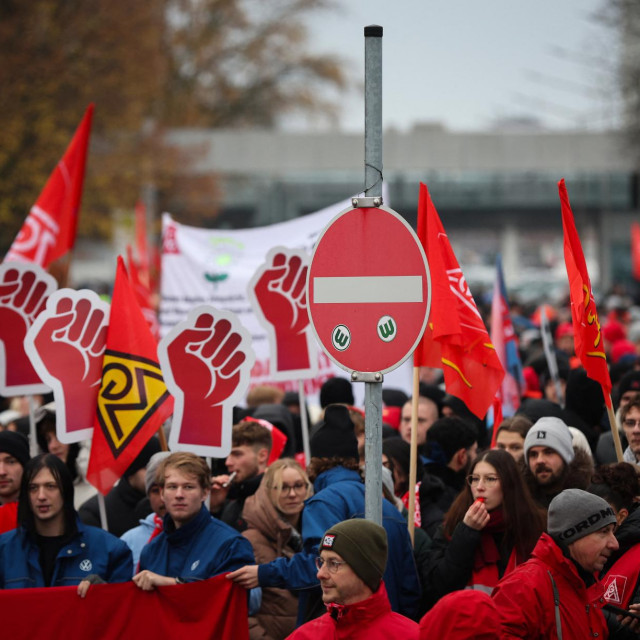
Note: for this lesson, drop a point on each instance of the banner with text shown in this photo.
(213, 266)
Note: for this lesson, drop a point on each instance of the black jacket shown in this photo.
(440, 486)
(120, 504)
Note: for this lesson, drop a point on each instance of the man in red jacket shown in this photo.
(353, 556)
(14, 455)
(556, 594)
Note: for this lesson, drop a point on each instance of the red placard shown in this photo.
(369, 290)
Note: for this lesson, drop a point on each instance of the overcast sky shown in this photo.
(467, 63)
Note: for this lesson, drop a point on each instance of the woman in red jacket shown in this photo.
(491, 527)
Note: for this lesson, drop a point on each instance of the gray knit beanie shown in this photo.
(574, 514)
(553, 433)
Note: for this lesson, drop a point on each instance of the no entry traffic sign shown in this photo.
(369, 290)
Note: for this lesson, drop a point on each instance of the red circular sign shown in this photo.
(368, 290)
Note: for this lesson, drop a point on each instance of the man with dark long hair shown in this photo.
(51, 547)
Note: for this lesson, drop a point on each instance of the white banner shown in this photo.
(214, 267)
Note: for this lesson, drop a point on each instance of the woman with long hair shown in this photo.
(491, 527)
(272, 516)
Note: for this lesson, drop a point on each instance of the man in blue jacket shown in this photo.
(339, 495)
(194, 545)
(51, 547)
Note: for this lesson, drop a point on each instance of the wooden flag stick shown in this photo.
(163, 439)
(413, 458)
(613, 423)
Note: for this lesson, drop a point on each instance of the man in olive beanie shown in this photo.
(352, 559)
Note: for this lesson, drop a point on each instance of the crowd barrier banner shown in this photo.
(215, 608)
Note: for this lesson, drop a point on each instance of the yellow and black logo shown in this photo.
(132, 390)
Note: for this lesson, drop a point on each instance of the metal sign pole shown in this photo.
(373, 188)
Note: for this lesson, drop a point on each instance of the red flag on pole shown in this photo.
(586, 326)
(50, 228)
(133, 401)
(455, 339)
(635, 250)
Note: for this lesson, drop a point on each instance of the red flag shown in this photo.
(455, 339)
(50, 228)
(586, 326)
(143, 295)
(635, 250)
(214, 608)
(133, 401)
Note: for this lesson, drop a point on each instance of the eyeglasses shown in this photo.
(332, 565)
(490, 481)
(298, 487)
(631, 423)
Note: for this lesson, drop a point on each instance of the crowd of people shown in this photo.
(532, 533)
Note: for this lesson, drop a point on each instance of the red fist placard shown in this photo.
(24, 289)
(66, 345)
(278, 295)
(206, 361)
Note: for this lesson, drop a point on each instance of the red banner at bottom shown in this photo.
(215, 608)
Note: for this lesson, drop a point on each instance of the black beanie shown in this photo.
(15, 444)
(335, 437)
(336, 390)
(630, 381)
(142, 459)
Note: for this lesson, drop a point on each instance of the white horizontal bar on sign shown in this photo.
(350, 290)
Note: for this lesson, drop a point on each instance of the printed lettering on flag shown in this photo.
(49, 230)
(586, 325)
(456, 338)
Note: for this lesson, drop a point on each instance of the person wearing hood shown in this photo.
(272, 517)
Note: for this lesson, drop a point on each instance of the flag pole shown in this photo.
(103, 512)
(302, 399)
(413, 456)
(33, 439)
(613, 423)
(163, 439)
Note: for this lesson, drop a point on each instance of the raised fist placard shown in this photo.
(66, 345)
(206, 361)
(24, 289)
(278, 295)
